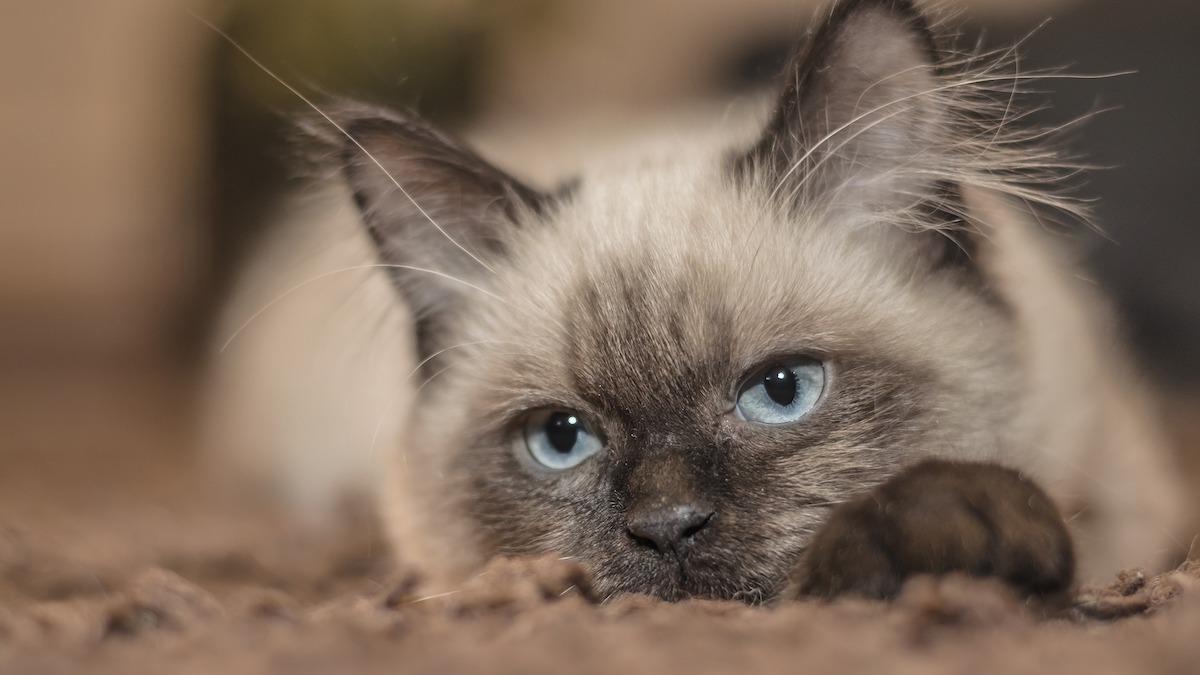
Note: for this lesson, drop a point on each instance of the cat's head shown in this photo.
(670, 372)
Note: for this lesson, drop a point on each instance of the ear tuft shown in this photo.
(878, 125)
(859, 102)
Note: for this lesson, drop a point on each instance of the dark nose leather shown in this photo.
(669, 528)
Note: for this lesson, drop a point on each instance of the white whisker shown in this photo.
(279, 298)
(366, 153)
(833, 153)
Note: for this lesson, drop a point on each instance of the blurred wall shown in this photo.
(138, 152)
(103, 144)
(1151, 141)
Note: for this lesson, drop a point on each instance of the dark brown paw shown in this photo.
(936, 518)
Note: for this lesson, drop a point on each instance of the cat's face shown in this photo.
(678, 383)
(672, 372)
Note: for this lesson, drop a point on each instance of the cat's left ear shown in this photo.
(861, 118)
(438, 213)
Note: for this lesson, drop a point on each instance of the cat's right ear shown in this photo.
(438, 213)
(858, 117)
(870, 125)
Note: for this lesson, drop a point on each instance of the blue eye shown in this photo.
(559, 439)
(782, 393)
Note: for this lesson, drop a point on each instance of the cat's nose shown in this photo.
(669, 528)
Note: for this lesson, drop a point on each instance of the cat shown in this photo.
(812, 356)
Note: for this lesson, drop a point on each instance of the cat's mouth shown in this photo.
(749, 594)
(684, 579)
(716, 558)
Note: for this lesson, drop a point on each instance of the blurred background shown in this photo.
(141, 155)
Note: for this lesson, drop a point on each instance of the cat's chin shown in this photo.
(677, 586)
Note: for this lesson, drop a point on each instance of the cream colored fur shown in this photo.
(313, 393)
(316, 393)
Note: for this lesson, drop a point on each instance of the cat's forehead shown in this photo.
(672, 212)
(676, 272)
(683, 232)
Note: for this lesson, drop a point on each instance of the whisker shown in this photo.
(823, 505)
(832, 154)
(279, 298)
(317, 109)
(433, 377)
(436, 596)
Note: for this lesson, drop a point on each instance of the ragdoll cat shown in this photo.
(817, 358)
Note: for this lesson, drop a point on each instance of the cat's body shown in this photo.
(595, 368)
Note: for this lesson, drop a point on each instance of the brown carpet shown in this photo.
(113, 560)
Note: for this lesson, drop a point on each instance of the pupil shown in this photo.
(562, 430)
(781, 386)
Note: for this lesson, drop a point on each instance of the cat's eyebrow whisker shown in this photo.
(416, 369)
(325, 275)
(317, 109)
(834, 153)
(433, 377)
(823, 504)
(435, 596)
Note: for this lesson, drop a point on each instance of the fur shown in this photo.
(887, 222)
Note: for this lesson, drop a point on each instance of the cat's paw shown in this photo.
(936, 518)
